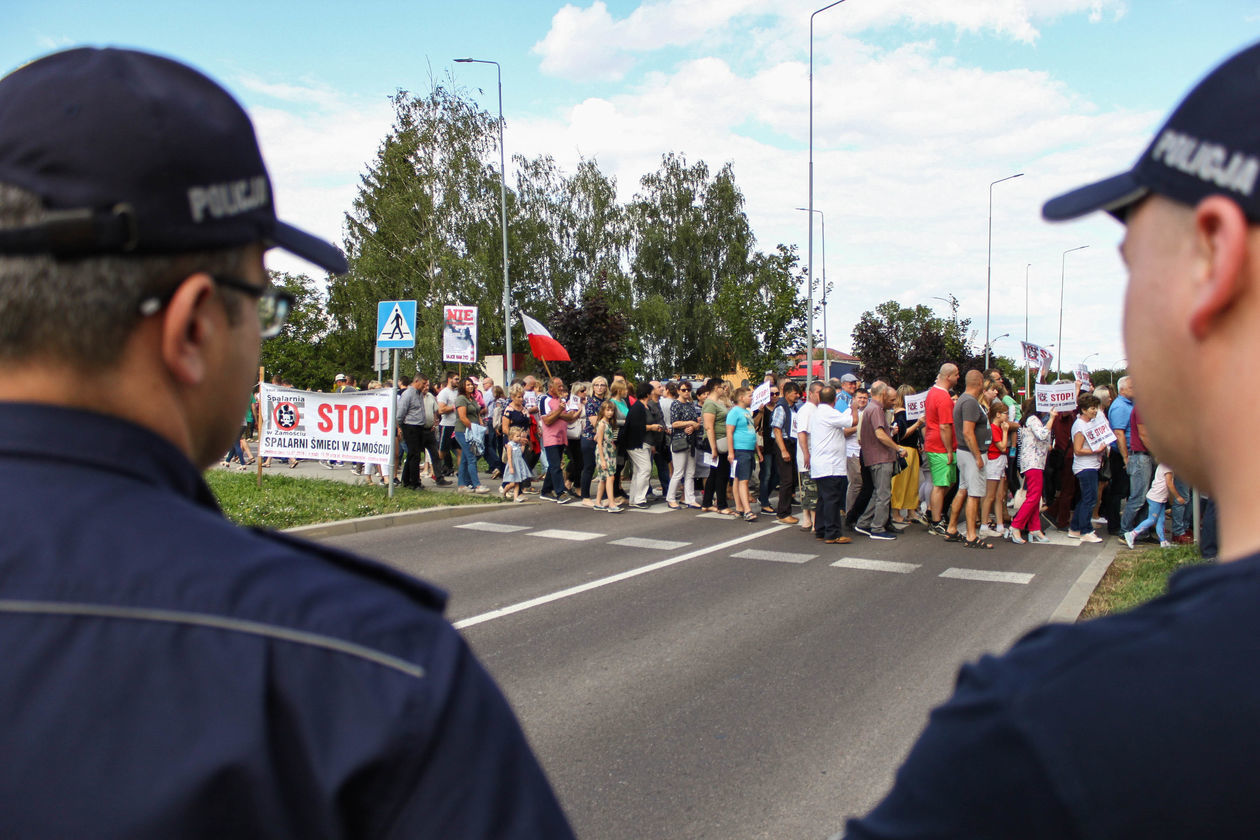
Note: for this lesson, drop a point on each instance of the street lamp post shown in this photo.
(988, 269)
(809, 361)
(507, 289)
(1062, 269)
(823, 220)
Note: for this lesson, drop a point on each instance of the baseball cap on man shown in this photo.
(848, 377)
(1209, 146)
(133, 153)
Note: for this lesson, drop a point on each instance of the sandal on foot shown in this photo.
(955, 537)
(674, 505)
(978, 543)
(750, 517)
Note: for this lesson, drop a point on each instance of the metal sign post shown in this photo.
(395, 328)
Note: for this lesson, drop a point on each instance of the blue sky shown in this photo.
(918, 106)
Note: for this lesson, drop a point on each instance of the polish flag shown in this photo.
(541, 344)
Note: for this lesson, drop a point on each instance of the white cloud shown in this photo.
(588, 43)
(316, 144)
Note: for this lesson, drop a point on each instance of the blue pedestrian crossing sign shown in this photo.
(396, 324)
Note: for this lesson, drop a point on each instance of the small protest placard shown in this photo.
(760, 396)
(916, 406)
(1099, 433)
(1056, 397)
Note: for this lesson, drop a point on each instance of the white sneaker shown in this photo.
(990, 531)
(1098, 520)
(1090, 538)
(1129, 537)
(481, 488)
(1165, 544)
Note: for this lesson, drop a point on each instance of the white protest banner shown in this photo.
(1082, 374)
(760, 396)
(916, 406)
(350, 426)
(459, 334)
(574, 403)
(1056, 397)
(1046, 359)
(531, 400)
(1099, 433)
(1032, 353)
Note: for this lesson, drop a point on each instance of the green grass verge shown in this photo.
(1136, 577)
(284, 502)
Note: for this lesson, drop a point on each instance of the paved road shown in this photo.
(689, 677)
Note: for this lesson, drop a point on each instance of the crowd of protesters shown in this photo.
(836, 458)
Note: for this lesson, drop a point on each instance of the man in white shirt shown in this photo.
(827, 465)
(800, 427)
(446, 423)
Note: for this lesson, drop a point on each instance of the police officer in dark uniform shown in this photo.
(167, 674)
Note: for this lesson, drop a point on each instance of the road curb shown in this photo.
(1069, 609)
(390, 520)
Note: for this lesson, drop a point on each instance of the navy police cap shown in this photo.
(1209, 146)
(135, 153)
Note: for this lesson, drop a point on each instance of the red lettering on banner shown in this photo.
(373, 415)
(325, 418)
(341, 417)
(356, 420)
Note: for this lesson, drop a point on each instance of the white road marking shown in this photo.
(875, 565)
(596, 584)
(776, 556)
(650, 509)
(640, 542)
(495, 527)
(558, 534)
(987, 576)
(714, 516)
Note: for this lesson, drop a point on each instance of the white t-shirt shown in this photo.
(1084, 462)
(826, 442)
(447, 397)
(1159, 487)
(852, 445)
(800, 424)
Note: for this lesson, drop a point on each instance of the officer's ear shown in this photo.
(187, 323)
(1221, 234)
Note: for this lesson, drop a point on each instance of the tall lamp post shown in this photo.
(1062, 269)
(507, 289)
(988, 269)
(823, 219)
(809, 361)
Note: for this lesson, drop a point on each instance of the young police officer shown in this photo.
(1143, 724)
(167, 674)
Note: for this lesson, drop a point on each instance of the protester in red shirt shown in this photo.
(938, 441)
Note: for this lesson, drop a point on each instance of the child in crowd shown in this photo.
(995, 471)
(606, 457)
(1157, 500)
(514, 467)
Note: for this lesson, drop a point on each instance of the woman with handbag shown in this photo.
(683, 422)
(905, 484)
(467, 414)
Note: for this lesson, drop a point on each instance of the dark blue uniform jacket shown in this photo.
(167, 674)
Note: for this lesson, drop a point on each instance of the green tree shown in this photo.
(909, 344)
(698, 301)
(425, 226)
(300, 354)
(594, 332)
